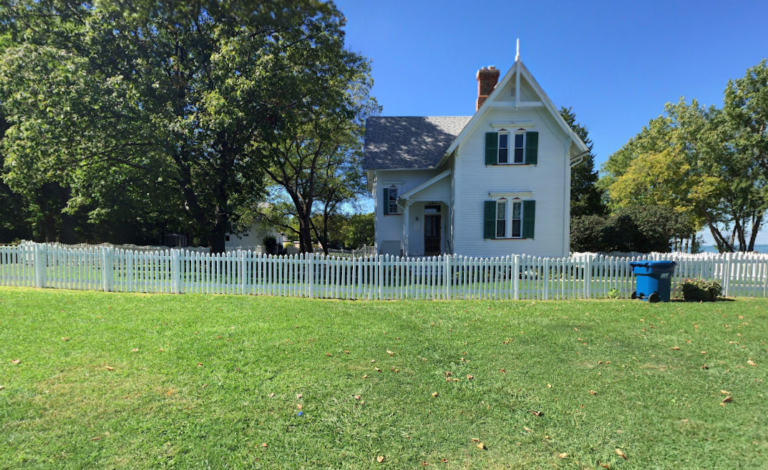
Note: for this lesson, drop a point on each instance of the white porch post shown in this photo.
(406, 214)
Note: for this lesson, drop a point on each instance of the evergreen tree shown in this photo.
(586, 197)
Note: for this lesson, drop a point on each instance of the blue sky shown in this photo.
(615, 62)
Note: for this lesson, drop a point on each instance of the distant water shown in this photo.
(713, 249)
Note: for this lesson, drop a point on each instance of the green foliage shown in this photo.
(643, 229)
(614, 294)
(358, 231)
(701, 290)
(709, 164)
(270, 243)
(157, 408)
(586, 196)
(179, 106)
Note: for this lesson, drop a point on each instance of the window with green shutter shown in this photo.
(489, 219)
(491, 148)
(529, 218)
(531, 148)
(385, 201)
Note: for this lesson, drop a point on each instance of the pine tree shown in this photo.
(586, 197)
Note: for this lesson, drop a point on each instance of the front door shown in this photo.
(432, 230)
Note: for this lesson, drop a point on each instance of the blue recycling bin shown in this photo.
(653, 280)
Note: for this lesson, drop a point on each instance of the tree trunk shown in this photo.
(218, 234)
(67, 232)
(758, 221)
(305, 233)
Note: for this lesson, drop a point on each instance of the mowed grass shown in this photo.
(193, 381)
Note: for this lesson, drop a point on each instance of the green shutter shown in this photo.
(386, 201)
(531, 148)
(491, 148)
(529, 218)
(489, 220)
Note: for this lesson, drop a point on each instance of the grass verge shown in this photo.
(155, 381)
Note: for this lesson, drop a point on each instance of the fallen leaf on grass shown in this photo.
(751, 362)
(16, 361)
(134, 350)
(434, 394)
(97, 438)
(703, 352)
(592, 392)
(481, 446)
(346, 352)
(563, 455)
(425, 463)
(264, 444)
(66, 338)
(390, 353)
(605, 465)
(448, 373)
(728, 399)
(443, 460)
(705, 367)
(299, 406)
(503, 371)
(469, 377)
(199, 364)
(298, 396)
(549, 386)
(365, 376)
(357, 397)
(725, 392)
(621, 454)
(373, 361)
(537, 413)
(377, 369)
(529, 430)
(328, 354)
(110, 368)
(676, 348)
(380, 458)
(271, 395)
(2, 387)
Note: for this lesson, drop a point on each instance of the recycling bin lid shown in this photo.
(649, 264)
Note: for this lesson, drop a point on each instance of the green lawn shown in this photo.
(194, 381)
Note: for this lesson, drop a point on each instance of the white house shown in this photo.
(492, 184)
(252, 239)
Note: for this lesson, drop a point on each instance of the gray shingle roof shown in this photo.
(409, 142)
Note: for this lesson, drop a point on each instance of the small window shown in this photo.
(519, 148)
(503, 148)
(501, 219)
(517, 219)
(393, 200)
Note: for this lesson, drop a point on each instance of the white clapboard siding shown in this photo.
(520, 277)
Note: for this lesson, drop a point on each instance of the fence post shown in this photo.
(106, 269)
(588, 277)
(381, 275)
(40, 264)
(310, 275)
(726, 274)
(448, 277)
(175, 272)
(516, 278)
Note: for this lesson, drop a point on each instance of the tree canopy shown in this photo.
(175, 107)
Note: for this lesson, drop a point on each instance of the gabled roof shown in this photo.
(517, 68)
(409, 142)
(425, 185)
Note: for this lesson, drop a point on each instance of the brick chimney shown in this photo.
(487, 78)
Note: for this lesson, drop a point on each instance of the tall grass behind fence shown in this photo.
(581, 276)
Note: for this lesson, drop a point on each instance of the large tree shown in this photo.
(186, 101)
(586, 196)
(317, 169)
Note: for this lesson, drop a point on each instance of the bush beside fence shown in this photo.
(582, 276)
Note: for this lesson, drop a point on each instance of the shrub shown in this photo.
(270, 243)
(701, 290)
(614, 294)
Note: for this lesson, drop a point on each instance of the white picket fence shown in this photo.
(581, 276)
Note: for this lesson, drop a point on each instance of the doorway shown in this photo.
(432, 230)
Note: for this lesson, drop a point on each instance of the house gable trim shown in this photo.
(425, 185)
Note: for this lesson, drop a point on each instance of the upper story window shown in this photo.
(517, 219)
(519, 148)
(503, 147)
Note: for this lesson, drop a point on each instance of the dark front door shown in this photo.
(431, 234)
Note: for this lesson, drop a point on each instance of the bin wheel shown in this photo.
(653, 298)
(634, 295)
